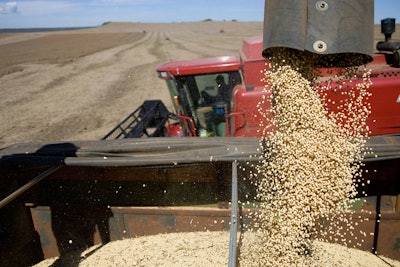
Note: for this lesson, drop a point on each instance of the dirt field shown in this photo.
(77, 85)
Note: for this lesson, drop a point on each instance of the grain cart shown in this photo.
(59, 198)
(193, 88)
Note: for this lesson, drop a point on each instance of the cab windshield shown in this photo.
(204, 98)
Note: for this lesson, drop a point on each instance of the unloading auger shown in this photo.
(330, 33)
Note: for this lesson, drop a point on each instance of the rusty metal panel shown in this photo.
(389, 236)
(150, 221)
(42, 220)
(398, 203)
(130, 222)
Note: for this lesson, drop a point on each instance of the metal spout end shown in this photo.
(338, 60)
(324, 33)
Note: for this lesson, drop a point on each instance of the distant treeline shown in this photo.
(20, 30)
(223, 20)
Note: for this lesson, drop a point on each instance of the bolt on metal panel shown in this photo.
(331, 33)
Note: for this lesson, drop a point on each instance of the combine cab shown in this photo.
(194, 88)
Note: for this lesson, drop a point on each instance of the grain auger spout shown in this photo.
(330, 33)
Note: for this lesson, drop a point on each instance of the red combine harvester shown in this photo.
(193, 89)
(57, 199)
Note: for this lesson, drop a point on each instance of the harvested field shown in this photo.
(64, 48)
(77, 85)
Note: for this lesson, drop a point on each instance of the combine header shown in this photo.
(148, 120)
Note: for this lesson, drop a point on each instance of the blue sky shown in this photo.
(73, 13)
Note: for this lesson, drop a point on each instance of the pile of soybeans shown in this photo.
(200, 249)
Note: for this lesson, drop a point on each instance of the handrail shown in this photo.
(28, 185)
(227, 117)
(190, 130)
(234, 218)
